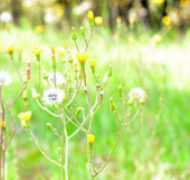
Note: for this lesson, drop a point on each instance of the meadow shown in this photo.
(155, 146)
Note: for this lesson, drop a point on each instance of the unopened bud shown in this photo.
(101, 94)
(112, 104)
(97, 87)
(82, 31)
(85, 90)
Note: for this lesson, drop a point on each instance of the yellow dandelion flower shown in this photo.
(98, 20)
(82, 57)
(39, 29)
(20, 49)
(91, 138)
(10, 49)
(166, 20)
(37, 51)
(92, 63)
(25, 116)
(90, 16)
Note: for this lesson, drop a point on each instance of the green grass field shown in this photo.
(155, 146)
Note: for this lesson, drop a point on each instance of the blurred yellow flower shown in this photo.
(156, 39)
(37, 51)
(10, 49)
(118, 19)
(92, 63)
(91, 138)
(39, 29)
(24, 94)
(25, 116)
(90, 16)
(98, 20)
(20, 49)
(166, 20)
(3, 124)
(82, 57)
(157, 2)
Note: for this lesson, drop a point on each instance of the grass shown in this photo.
(155, 145)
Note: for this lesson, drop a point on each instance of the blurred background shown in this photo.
(147, 42)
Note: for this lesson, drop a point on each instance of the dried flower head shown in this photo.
(53, 96)
(137, 95)
(5, 78)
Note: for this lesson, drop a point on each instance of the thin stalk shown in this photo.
(2, 164)
(39, 76)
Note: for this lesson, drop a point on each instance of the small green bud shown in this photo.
(120, 89)
(49, 126)
(82, 31)
(112, 104)
(78, 111)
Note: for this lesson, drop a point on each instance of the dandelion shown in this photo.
(90, 16)
(53, 96)
(39, 29)
(137, 95)
(166, 20)
(25, 116)
(5, 78)
(92, 63)
(37, 51)
(98, 20)
(10, 49)
(20, 49)
(82, 57)
(59, 78)
(91, 139)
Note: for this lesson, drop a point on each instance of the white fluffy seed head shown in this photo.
(53, 96)
(137, 94)
(5, 78)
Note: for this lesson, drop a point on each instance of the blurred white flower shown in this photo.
(49, 17)
(53, 96)
(138, 94)
(6, 17)
(59, 78)
(82, 8)
(5, 78)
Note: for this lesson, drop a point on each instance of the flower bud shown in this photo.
(112, 104)
(120, 89)
(90, 16)
(82, 31)
(91, 139)
(97, 87)
(101, 95)
(3, 124)
(85, 90)
(49, 126)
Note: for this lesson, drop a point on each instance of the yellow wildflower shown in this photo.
(10, 49)
(91, 138)
(90, 16)
(82, 57)
(92, 63)
(24, 94)
(98, 20)
(37, 51)
(25, 116)
(20, 49)
(166, 20)
(39, 29)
